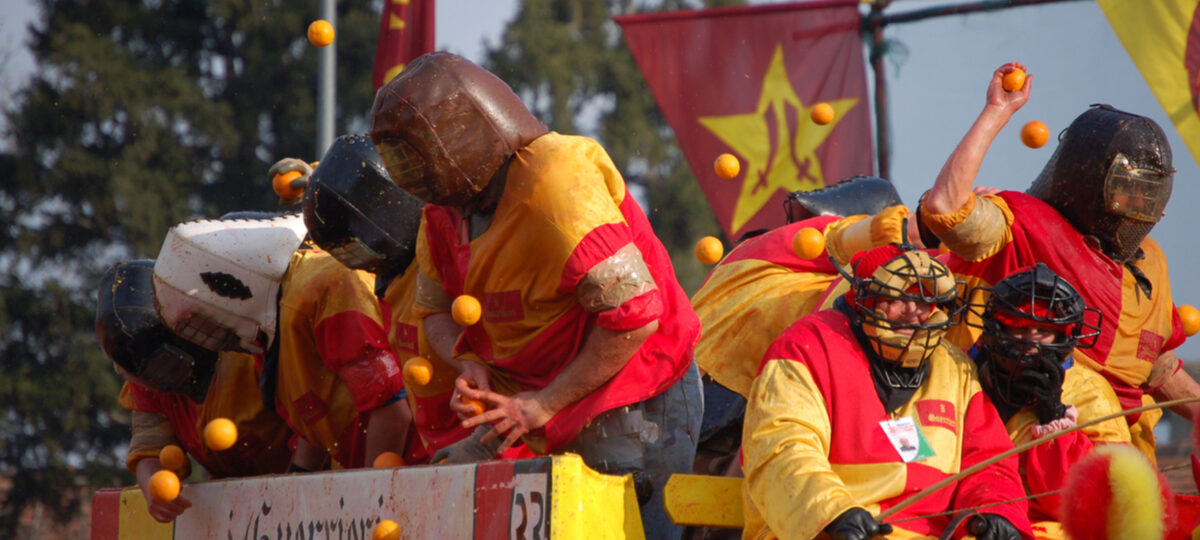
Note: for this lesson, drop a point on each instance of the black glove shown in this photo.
(992, 527)
(1045, 385)
(856, 524)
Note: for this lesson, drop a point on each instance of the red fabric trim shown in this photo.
(1046, 468)
(775, 246)
(599, 244)
(999, 481)
(436, 423)
(633, 314)
(1178, 336)
(355, 347)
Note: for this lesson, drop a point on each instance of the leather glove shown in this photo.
(468, 450)
(856, 524)
(287, 165)
(992, 527)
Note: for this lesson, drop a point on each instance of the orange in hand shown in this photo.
(418, 371)
(320, 33)
(466, 310)
(386, 530)
(220, 434)
(1191, 319)
(387, 460)
(1035, 134)
(808, 243)
(163, 486)
(727, 166)
(171, 457)
(1014, 80)
(709, 250)
(822, 113)
(282, 183)
(477, 406)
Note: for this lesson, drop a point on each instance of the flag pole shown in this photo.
(326, 86)
(883, 150)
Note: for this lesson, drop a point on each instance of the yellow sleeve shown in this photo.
(790, 486)
(1093, 397)
(151, 432)
(845, 237)
(977, 230)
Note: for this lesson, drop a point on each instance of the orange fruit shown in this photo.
(320, 33)
(387, 460)
(163, 486)
(418, 371)
(1035, 134)
(283, 185)
(709, 250)
(1191, 319)
(808, 243)
(1014, 80)
(386, 530)
(466, 310)
(822, 113)
(171, 457)
(474, 403)
(727, 166)
(220, 434)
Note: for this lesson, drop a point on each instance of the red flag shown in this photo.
(405, 32)
(744, 80)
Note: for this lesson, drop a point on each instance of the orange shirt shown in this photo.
(565, 233)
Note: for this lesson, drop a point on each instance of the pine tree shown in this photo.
(140, 114)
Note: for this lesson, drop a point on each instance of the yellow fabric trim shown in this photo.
(977, 230)
(847, 236)
(790, 488)
(151, 432)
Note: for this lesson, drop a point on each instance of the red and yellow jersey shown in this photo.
(262, 443)
(1044, 467)
(1012, 230)
(567, 247)
(756, 292)
(334, 357)
(436, 425)
(813, 444)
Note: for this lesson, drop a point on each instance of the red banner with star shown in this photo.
(405, 32)
(743, 81)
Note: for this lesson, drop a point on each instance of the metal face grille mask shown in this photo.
(354, 211)
(905, 276)
(1110, 177)
(850, 197)
(1014, 369)
(134, 338)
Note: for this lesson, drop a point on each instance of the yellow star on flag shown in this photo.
(777, 142)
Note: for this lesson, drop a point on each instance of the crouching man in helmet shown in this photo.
(859, 407)
(585, 341)
(174, 388)
(1032, 322)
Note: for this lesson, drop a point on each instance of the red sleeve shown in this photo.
(1177, 336)
(596, 248)
(997, 482)
(355, 347)
(1046, 467)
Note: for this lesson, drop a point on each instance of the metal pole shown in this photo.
(883, 151)
(326, 86)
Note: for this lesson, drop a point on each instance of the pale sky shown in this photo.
(936, 91)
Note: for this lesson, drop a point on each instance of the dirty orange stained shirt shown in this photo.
(1135, 330)
(436, 425)
(334, 358)
(262, 443)
(756, 292)
(564, 223)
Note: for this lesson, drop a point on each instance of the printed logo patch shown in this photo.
(311, 408)
(405, 337)
(504, 306)
(1149, 346)
(936, 412)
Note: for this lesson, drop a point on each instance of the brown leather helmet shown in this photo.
(445, 126)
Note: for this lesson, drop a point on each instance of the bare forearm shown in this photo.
(387, 428)
(1180, 385)
(955, 181)
(603, 354)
